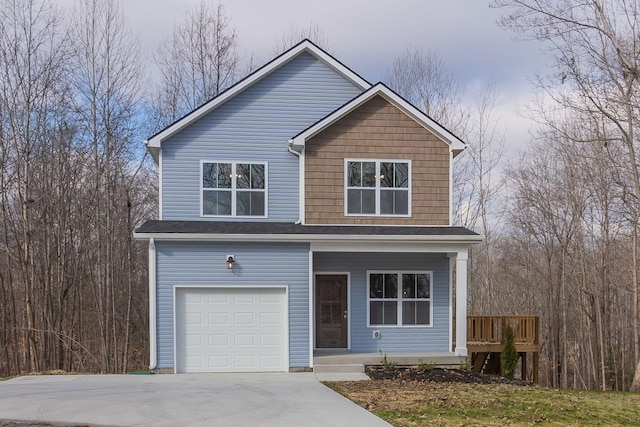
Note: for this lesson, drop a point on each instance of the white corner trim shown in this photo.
(452, 266)
(312, 290)
(303, 189)
(153, 351)
(160, 184)
(450, 186)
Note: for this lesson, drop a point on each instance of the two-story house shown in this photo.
(303, 209)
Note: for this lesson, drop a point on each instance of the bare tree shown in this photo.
(107, 83)
(421, 77)
(296, 34)
(196, 62)
(595, 51)
(32, 65)
(478, 196)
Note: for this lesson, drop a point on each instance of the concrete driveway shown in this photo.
(284, 399)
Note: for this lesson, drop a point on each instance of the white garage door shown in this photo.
(231, 329)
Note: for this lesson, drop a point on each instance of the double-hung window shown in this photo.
(234, 189)
(378, 187)
(400, 299)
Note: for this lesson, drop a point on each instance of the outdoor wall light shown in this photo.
(231, 260)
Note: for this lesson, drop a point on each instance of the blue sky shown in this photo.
(367, 35)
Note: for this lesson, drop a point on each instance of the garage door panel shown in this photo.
(193, 319)
(193, 298)
(247, 340)
(218, 298)
(195, 362)
(219, 319)
(270, 340)
(269, 299)
(244, 298)
(245, 330)
(193, 340)
(219, 362)
(244, 319)
(218, 340)
(270, 318)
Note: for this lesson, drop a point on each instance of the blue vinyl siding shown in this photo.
(257, 264)
(255, 125)
(393, 339)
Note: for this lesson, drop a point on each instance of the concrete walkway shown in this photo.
(280, 399)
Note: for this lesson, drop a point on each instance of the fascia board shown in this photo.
(305, 46)
(382, 90)
(309, 238)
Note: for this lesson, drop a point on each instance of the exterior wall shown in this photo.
(376, 130)
(393, 339)
(203, 264)
(255, 125)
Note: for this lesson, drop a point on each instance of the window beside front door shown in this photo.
(400, 299)
(377, 187)
(234, 189)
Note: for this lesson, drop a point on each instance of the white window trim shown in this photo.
(234, 189)
(377, 188)
(399, 299)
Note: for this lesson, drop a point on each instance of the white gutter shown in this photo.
(153, 361)
(300, 181)
(311, 237)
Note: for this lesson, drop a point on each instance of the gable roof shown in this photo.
(306, 46)
(380, 89)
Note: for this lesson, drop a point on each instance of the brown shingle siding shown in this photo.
(376, 130)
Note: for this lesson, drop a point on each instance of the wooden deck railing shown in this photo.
(489, 329)
(485, 337)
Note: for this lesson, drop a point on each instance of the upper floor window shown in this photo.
(378, 187)
(234, 189)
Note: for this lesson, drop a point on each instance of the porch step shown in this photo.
(343, 368)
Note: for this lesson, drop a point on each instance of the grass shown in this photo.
(413, 403)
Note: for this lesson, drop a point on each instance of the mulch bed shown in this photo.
(439, 375)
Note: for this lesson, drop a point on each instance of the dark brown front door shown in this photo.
(331, 311)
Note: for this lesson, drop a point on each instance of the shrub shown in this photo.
(509, 355)
(465, 366)
(425, 366)
(387, 364)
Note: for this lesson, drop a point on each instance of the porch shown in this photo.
(343, 361)
(484, 344)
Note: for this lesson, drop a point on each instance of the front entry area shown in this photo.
(332, 310)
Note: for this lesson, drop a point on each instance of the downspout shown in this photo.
(300, 156)
(152, 306)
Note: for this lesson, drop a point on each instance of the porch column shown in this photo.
(461, 303)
